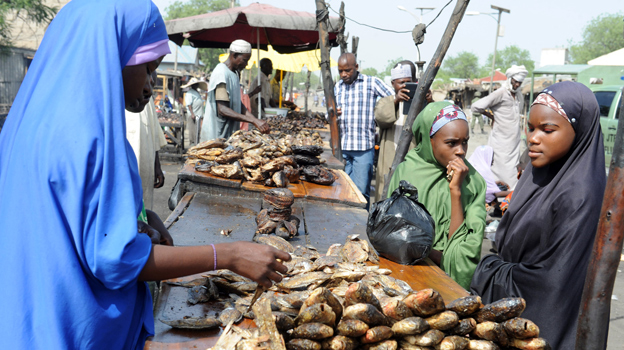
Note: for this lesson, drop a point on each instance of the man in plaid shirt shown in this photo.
(356, 95)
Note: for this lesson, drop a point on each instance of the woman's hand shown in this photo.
(456, 172)
(256, 261)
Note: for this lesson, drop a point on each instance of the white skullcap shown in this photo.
(240, 46)
(518, 73)
(401, 71)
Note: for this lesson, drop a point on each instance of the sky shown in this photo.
(532, 25)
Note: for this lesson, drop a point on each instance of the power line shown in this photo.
(436, 17)
(370, 26)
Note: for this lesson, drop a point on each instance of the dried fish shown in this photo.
(465, 306)
(228, 171)
(426, 302)
(317, 313)
(431, 337)
(326, 260)
(303, 280)
(384, 345)
(324, 296)
(464, 327)
(530, 344)
(302, 344)
(488, 330)
(196, 282)
(306, 252)
(276, 242)
(230, 314)
(280, 198)
(339, 342)
(311, 150)
(521, 328)
(376, 334)
(293, 299)
(299, 265)
(396, 309)
(280, 179)
(314, 331)
(443, 321)
(453, 342)
(283, 322)
(279, 214)
(360, 293)
(404, 345)
(501, 310)
(334, 249)
(365, 312)
(352, 328)
(410, 325)
(193, 323)
(482, 345)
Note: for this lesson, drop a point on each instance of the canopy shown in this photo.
(292, 62)
(287, 31)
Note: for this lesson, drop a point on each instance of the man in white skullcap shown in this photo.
(506, 105)
(224, 109)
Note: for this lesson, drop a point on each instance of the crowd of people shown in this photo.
(83, 239)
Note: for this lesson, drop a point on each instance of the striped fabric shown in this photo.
(357, 101)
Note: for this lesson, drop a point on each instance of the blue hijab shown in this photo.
(70, 188)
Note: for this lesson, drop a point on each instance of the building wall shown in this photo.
(26, 34)
(555, 57)
(13, 68)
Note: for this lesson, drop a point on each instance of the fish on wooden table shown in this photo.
(193, 323)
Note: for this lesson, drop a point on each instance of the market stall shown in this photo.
(173, 127)
(200, 218)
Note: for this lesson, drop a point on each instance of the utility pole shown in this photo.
(500, 12)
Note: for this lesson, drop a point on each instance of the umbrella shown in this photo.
(287, 31)
(292, 62)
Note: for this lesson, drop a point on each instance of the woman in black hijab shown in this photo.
(546, 236)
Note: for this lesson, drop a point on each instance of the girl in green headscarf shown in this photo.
(448, 186)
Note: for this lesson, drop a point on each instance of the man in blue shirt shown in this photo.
(356, 96)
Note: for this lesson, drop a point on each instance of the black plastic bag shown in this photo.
(400, 228)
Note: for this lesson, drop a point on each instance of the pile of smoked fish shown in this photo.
(295, 121)
(335, 301)
(263, 159)
(169, 118)
(276, 217)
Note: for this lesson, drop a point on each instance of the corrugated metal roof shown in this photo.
(561, 69)
(186, 54)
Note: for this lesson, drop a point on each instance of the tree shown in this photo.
(180, 9)
(33, 11)
(601, 36)
(463, 65)
(509, 56)
(370, 71)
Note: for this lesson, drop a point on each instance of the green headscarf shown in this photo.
(460, 254)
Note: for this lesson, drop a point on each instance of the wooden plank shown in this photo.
(327, 224)
(331, 161)
(188, 172)
(426, 274)
(356, 190)
(340, 191)
(207, 215)
(297, 189)
(180, 208)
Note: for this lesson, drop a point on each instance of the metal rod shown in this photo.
(593, 320)
(328, 83)
(423, 87)
(494, 55)
(258, 64)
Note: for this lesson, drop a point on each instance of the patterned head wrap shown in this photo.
(445, 116)
(545, 98)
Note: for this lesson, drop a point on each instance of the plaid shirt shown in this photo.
(357, 101)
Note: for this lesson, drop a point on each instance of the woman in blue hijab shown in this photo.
(72, 258)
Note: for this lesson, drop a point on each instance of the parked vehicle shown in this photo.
(609, 99)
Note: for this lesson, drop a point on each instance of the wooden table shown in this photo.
(175, 134)
(199, 218)
(342, 191)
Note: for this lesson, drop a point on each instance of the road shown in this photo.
(616, 324)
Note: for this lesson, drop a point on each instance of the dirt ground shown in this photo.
(616, 324)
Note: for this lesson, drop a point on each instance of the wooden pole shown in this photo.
(423, 86)
(292, 83)
(340, 37)
(307, 93)
(354, 45)
(322, 15)
(593, 320)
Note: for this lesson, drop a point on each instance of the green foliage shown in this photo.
(601, 36)
(181, 9)
(463, 65)
(509, 56)
(370, 71)
(33, 11)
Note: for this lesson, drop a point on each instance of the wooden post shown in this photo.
(354, 46)
(322, 14)
(307, 93)
(423, 86)
(292, 83)
(340, 37)
(593, 320)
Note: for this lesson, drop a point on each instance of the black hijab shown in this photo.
(546, 236)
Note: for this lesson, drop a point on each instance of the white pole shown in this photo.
(259, 81)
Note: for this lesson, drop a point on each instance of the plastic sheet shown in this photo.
(400, 228)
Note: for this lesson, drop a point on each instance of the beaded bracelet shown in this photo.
(215, 256)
